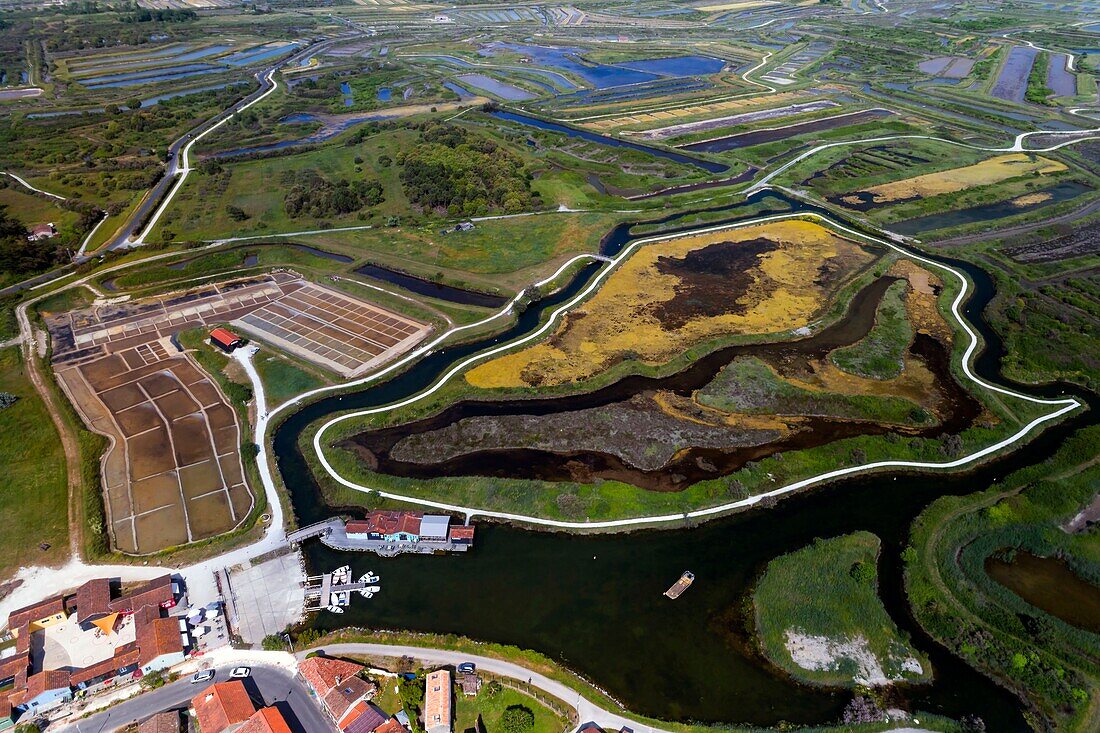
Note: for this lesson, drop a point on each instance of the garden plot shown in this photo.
(173, 473)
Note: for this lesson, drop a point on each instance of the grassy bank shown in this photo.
(1050, 663)
(819, 617)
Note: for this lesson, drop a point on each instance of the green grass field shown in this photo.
(830, 590)
(34, 487)
(489, 705)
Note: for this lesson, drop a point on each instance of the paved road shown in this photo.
(586, 710)
(270, 685)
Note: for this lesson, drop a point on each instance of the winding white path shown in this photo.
(24, 183)
(1062, 406)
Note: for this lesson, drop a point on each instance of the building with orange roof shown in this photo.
(265, 720)
(437, 702)
(363, 718)
(222, 707)
(337, 685)
(393, 725)
(225, 339)
(166, 722)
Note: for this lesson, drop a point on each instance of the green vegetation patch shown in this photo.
(748, 384)
(881, 353)
(34, 490)
(820, 619)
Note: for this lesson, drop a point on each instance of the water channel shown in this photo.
(594, 602)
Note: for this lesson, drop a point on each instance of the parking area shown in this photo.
(344, 334)
(264, 598)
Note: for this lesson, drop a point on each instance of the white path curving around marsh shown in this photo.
(1062, 406)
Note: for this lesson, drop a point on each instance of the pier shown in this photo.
(337, 534)
(320, 588)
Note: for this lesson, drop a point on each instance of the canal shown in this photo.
(594, 602)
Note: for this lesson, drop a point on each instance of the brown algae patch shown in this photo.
(994, 170)
(1030, 199)
(669, 296)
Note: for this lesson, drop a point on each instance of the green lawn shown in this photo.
(829, 591)
(881, 353)
(490, 705)
(283, 378)
(33, 486)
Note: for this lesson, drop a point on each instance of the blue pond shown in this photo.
(154, 79)
(462, 92)
(164, 73)
(385, 94)
(567, 59)
(499, 88)
(252, 55)
(677, 65)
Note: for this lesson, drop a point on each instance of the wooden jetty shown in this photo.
(320, 588)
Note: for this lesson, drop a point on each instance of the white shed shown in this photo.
(434, 527)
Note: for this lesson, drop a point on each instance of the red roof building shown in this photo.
(167, 722)
(265, 720)
(336, 684)
(157, 592)
(393, 725)
(221, 705)
(403, 526)
(363, 718)
(226, 339)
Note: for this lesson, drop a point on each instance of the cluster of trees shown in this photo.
(20, 256)
(459, 174)
(313, 195)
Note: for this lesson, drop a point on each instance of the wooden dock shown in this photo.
(321, 588)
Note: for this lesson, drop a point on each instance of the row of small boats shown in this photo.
(342, 576)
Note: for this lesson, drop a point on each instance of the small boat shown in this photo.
(341, 575)
(335, 609)
(372, 589)
(681, 585)
(365, 594)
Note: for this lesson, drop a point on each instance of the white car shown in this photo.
(240, 672)
(204, 675)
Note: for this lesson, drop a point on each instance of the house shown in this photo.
(166, 722)
(225, 339)
(45, 691)
(338, 687)
(363, 718)
(265, 720)
(158, 592)
(42, 231)
(463, 534)
(393, 725)
(437, 702)
(222, 707)
(388, 526)
(93, 602)
(159, 640)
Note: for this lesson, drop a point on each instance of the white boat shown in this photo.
(335, 609)
(341, 574)
(369, 578)
(372, 589)
(365, 594)
(343, 598)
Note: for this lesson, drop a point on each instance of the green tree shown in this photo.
(517, 719)
(273, 643)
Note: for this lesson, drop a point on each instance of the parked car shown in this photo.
(203, 675)
(240, 672)
(467, 668)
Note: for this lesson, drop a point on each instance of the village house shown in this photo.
(344, 695)
(42, 231)
(226, 707)
(225, 339)
(437, 702)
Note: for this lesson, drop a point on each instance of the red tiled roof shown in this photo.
(358, 526)
(168, 722)
(393, 725)
(93, 599)
(437, 699)
(324, 673)
(462, 532)
(156, 635)
(342, 696)
(124, 657)
(14, 664)
(363, 718)
(153, 593)
(393, 522)
(222, 705)
(51, 679)
(265, 720)
(23, 616)
(224, 336)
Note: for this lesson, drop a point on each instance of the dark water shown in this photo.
(594, 602)
(1047, 583)
(988, 212)
(707, 165)
(432, 289)
(758, 137)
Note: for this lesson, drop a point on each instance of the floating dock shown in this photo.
(677, 589)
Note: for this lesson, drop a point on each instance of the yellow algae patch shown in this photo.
(921, 300)
(672, 295)
(702, 109)
(741, 5)
(1029, 199)
(993, 170)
